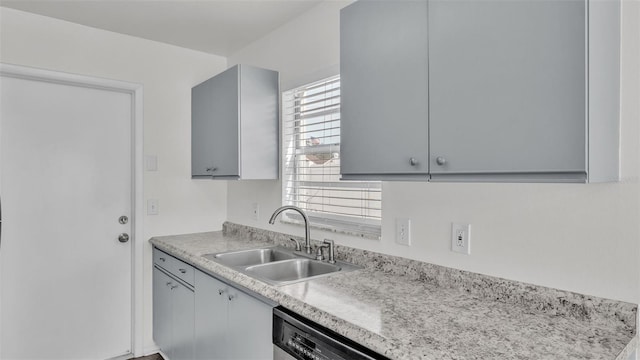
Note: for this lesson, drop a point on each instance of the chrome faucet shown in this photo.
(307, 238)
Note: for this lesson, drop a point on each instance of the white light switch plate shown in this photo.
(153, 207)
(255, 211)
(151, 163)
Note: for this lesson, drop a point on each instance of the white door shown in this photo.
(66, 178)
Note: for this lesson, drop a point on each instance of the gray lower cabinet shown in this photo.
(162, 310)
(517, 90)
(234, 125)
(173, 315)
(230, 324)
(196, 316)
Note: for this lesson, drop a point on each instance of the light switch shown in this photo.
(151, 163)
(152, 207)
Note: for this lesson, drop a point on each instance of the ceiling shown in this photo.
(218, 27)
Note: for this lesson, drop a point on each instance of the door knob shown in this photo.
(123, 238)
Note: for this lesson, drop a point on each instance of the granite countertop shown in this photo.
(397, 308)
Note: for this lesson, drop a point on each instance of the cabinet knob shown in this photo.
(184, 271)
(163, 259)
(169, 283)
(174, 286)
(212, 169)
(220, 291)
(440, 160)
(231, 297)
(413, 161)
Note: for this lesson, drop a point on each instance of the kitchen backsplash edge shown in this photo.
(532, 297)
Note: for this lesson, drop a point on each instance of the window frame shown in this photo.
(346, 224)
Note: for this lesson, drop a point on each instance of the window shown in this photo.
(311, 164)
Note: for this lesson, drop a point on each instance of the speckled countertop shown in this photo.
(406, 309)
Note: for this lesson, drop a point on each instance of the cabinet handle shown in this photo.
(184, 271)
(211, 169)
(163, 259)
(174, 286)
(440, 160)
(413, 161)
(231, 297)
(169, 283)
(220, 291)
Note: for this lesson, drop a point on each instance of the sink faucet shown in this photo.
(307, 238)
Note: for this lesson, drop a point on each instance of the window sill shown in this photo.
(371, 232)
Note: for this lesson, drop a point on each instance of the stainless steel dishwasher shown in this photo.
(297, 338)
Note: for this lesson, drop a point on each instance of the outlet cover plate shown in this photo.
(403, 231)
(461, 238)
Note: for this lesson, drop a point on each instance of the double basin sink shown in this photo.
(277, 265)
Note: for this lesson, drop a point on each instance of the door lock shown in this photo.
(123, 238)
(123, 219)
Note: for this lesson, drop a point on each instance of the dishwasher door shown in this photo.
(295, 337)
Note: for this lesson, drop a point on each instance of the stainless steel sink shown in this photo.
(288, 271)
(278, 265)
(251, 257)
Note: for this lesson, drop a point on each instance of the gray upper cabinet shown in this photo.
(234, 125)
(508, 91)
(384, 90)
(520, 90)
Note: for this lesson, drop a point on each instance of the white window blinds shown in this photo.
(311, 169)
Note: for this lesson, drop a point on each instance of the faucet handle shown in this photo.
(298, 247)
(319, 255)
(331, 245)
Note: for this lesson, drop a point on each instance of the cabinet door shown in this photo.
(211, 322)
(183, 318)
(214, 126)
(162, 315)
(250, 322)
(507, 87)
(384, 89)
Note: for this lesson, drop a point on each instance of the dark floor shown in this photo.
(149, 357)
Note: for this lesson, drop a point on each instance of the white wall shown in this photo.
(583, 238)
(167, 74)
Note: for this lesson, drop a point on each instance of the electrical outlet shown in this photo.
(255, 211)
(403, 231)
(152, 207)
(461, 238)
